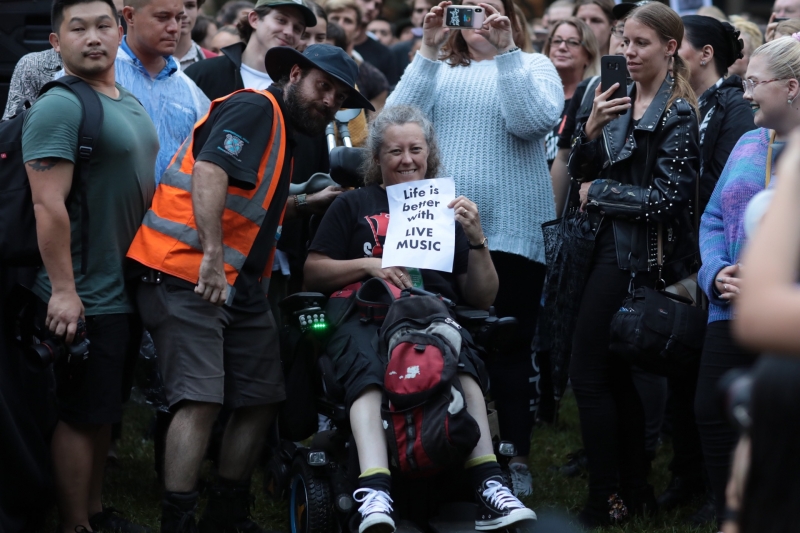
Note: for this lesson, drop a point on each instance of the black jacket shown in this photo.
(219, 76)
(644, 178)
(732, 118)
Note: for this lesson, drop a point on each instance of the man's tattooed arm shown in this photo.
(44, 164)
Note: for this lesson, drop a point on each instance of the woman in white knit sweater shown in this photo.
(492, 105)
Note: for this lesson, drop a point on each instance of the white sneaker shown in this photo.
(376, 511)
(521, 480)
(498, 508)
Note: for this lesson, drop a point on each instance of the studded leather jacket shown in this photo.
(644, 177)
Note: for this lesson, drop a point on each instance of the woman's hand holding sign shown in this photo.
(466, 213)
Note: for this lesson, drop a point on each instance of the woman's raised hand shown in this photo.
(466, 213)
(604, 110)
(434, 32)
(497, 30)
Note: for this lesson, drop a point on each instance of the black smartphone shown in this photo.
(613, 70)
(780, 19)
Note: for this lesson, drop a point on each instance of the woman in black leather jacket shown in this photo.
(637, 173)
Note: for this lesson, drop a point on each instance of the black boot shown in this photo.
(706, 514)
(177, 512)
(680, 491)
(640, 501)
(228, 509)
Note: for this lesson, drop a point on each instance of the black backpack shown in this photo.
(18, 244)
(424, 412)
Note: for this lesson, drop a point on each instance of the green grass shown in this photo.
(133, 488)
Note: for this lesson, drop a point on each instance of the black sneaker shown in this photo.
(375, 510)
(111, 521)
(706, 514)
(577, 465)
(177, 513)
(680, 491)
(498, 507)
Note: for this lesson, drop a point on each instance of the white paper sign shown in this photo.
(421, 232)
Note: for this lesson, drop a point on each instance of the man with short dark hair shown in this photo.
(369, 47)
(120, 186)
(205, 251)
(187, 51)
(241, 65)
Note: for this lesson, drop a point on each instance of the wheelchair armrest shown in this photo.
(302, 300)
(470, 317)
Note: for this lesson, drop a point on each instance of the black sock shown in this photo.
(183, 500)
(379, 481)
(480, 473)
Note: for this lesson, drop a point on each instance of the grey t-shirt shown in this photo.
(121, 187)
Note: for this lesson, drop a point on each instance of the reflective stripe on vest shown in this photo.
(168, 239)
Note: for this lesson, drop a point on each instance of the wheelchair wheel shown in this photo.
(310, 500)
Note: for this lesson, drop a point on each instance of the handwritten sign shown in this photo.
(421, 231)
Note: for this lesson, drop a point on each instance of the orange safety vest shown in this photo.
(168, 240)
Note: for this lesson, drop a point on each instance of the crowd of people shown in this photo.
(185, 233)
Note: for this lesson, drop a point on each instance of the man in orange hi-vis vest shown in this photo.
(205, 249)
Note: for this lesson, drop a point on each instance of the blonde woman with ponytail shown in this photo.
(636, 161)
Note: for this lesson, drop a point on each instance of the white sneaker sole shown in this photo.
(377, 523)
(518, 515)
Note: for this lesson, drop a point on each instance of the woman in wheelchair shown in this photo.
(348, 248)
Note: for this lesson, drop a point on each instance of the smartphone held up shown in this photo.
(613, 69)
(464, 17)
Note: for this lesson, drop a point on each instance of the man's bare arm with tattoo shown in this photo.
(51, 180)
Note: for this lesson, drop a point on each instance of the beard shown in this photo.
(307, 116)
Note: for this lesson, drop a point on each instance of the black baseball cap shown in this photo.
(620, 11)
(308, 15)
(329, 59)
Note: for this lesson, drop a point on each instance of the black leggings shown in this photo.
(514, 376)
(721, 353)
(611, 413)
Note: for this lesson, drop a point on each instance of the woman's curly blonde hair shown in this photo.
(397, 116)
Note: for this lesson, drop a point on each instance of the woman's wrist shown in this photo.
(507, 49)
(429, 52)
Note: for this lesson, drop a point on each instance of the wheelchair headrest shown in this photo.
(346, 166)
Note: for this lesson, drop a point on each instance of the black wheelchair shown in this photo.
(316, 470)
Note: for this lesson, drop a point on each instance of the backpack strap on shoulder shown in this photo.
(88, 135)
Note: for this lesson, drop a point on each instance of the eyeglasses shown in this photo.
(750, 85)
(571, 43)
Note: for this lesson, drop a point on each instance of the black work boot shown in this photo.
(681, 491)
(228, 509)
(177, 512)
(110, 520)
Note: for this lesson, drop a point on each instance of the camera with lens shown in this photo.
(44, 348)
(39, 345)
(734, 390)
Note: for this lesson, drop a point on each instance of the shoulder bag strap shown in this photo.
(88, 134)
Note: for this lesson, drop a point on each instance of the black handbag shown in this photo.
(662, 330)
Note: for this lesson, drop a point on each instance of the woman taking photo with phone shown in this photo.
(636, 160)
(492, 105)
(771, 90)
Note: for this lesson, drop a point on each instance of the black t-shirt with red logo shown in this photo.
(355, 226)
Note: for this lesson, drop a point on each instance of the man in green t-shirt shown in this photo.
(120, 188)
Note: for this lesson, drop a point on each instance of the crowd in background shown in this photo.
(664, 177)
